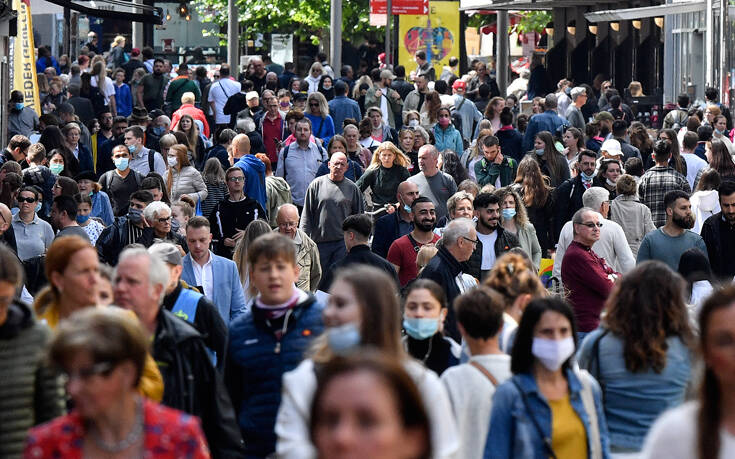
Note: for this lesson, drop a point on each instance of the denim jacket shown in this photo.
(633, 401)
(512, 432)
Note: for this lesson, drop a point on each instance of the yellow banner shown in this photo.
(24, 57)
(437, 34)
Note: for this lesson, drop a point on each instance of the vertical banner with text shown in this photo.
(437, 34)
(24, 57)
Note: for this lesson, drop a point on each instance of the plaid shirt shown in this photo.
(654, 185)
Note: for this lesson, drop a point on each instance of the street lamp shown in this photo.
(615, 26)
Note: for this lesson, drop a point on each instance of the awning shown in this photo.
(520, 5)
(645, 11)
(115, 9)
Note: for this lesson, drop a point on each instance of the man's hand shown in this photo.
(229, 242)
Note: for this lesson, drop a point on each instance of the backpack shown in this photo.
(285, 155)
(618, 114)
(678, 122)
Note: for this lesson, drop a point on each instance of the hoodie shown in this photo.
(254, 171)
(279, 193)
(704, 205)
(448, 139)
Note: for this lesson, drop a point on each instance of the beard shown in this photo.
(686, 222)
(425, 226)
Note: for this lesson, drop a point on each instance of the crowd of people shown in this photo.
(349, 266)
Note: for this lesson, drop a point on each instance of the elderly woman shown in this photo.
(628, 212)
(158, 216)
(514, 219)
(183, 179)
(102, 352)
(30, 393)
(101, 206)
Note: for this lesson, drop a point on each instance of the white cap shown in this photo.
(612, 147)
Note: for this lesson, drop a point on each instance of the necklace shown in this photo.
(426, 357)
(132, 437)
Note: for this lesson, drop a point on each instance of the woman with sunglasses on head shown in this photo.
(547, 409)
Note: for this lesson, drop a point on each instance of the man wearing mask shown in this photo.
(271, 81)
(124, 230)
(403, 251)
(143, 160)
(121, 182)
(150, 90)
(104, 153)
(569, 194)
(390, 227)
(494, 239)
(21, 119)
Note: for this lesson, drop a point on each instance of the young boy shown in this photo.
(269, 340)
(471, 385)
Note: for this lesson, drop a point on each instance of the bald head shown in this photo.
(287, 220)
(240, 146)
(407, 192)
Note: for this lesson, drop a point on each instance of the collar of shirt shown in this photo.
(207, 263)
(297, 239)
(16, 218)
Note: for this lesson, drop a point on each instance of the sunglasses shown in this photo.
(28, 200)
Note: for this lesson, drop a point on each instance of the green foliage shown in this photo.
(531, 21)
(307, 19)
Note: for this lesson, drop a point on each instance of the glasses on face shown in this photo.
(314, 104)
(236, 179)
(28, 200)
(103, 368)
(163, 220)
(287, 225)
(473, 241)
(591, 225)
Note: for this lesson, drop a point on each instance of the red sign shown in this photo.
(412, 7)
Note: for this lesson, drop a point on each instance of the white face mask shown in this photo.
(172, 161)
(552, 353)
(413, 123)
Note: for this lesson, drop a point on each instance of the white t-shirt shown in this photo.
(488, 249)
(219, 92)
(107, 90)
(674, 436)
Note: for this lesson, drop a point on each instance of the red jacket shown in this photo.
(169, 433)
(197, 114)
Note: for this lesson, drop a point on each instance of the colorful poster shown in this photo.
(437, 34)
(24, 58)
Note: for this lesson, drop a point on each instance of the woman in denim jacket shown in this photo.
(641, 355)
(548, 408)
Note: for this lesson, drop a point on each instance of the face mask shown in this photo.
(135, 215)
(172, 161)
(568, 91)
(121, 163)
(38, 207)
(552, 353)
(719, 131)
(159, 130)
(175, 225)
(413, 123)
(285, 105)
(420, 329)
(508, 214)
(91, 193)
(56, 168)
(82, 219)
(586, 177)
(344, 338)
(443, 122)
(327, 87)
(19, 106)
(610, 182)
(540, 151)
(132, 149)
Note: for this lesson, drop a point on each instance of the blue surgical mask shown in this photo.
(135, 215)
(719, 131)
(540, 151)
(82, 219)
(132, 149)
(175, 225)
(19, 106)
(508, 214)
(344, 338)
(420, 329)
(91, 193)
(121, 163)
(38, 207)
(56, 168)
(407, 208)
(159, 130)
(586, 177)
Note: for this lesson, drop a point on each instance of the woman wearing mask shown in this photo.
(181, 211)
(322, 124)
(719, 132)
(386, 171)
(284, 100)
(78, 158)
(515, 220)
(424, 313)
(314, 77)
(379, 389)
(358, 316)
(101, 206)
(326, 87)
(92, 227)
(631, 214)
(194, 144)
(538, 197)
(642, 374)
(411, 119)
(445, 135)
(551, 162)
(607, 176)
(703, 428)
(183, 179)
(547, 409)
(339, 144)
(573, 143)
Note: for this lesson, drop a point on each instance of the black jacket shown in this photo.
(568, 198)
(443, 269)
(718, 236)
(358, 255)
(228, 217)
(191, 384)
(387, 230)
(113, 240)
(148, 238)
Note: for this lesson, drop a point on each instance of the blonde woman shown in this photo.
(515, 220)
(388, 168)
(183, 179)
(317, 111)
(105, 85)
(474, 153)
(117, 53)
(314, 77)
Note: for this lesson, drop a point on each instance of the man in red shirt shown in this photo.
(188, 108)
(272, 128)
(402, 253)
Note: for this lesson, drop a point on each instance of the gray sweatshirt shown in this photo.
(326, 205)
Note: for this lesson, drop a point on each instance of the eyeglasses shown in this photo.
(591, 224)
(236, 179)
(473, 241)
(314, 104)
(103, 368)
(164, 219)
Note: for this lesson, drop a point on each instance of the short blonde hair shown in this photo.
(188, 98)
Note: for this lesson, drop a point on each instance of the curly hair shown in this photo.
(511, 277)
(645, 308)
(521, 217)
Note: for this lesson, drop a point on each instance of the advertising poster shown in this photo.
(24, 57)
(436, 33)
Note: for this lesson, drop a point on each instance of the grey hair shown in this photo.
(578, 216)
(456, 229)
(594, 197)
(167, 141)
(431, 149)
(155, 208)
(422, 131)
(550, 102)
(157, 270)
(247, 125)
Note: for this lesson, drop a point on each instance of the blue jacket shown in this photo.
(123, 100)
(254, 171)
(101, 208)
(322, 128)
(340, 108)
(257, 361)
(546, 121)
(448, 139)
(228, 295)
(387, 230)
(86, 163)
(634, 400)
(512, 432)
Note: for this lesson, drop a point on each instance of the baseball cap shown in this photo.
(612, 147)
(604, 116)
(386, 74)
(251, 95)
(459, 84)
(167, 252)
